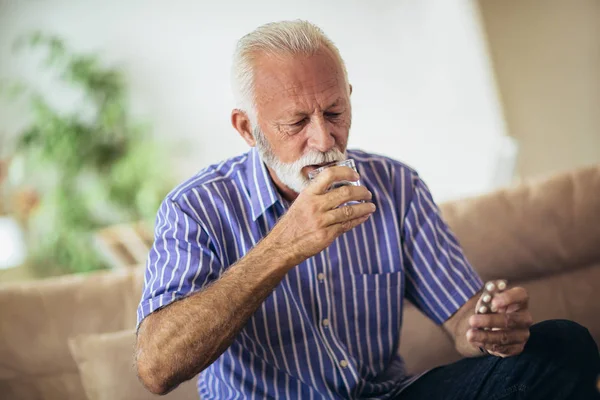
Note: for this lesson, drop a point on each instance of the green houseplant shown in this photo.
(92, 165)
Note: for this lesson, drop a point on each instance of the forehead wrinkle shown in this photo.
(296, 93)
(297, 90)
(301, 89)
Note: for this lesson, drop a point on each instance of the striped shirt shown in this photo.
(331, 328)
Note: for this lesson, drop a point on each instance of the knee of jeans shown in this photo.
(568, 341)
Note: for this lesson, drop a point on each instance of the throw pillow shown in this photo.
(105, 363)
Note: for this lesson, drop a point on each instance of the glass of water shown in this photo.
(344, 163)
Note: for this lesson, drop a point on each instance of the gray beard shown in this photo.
(290, 174)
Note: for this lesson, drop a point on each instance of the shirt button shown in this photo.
(325, 322)
(343, 363)
(321, 276)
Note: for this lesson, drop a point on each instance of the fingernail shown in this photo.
(471, 334)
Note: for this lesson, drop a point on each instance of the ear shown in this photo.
(241, 123)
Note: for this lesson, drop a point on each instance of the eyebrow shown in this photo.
(335, 103)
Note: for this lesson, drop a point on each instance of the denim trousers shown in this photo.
(560, 361)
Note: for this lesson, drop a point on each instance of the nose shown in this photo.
(320, 137)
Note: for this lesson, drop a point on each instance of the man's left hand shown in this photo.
(507, 329)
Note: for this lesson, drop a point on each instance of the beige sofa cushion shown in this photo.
(54, 386)
(106, 366)
(544, 227)
(37, 318)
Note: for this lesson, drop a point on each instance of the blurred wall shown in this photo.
(546, 54)
(423, 87)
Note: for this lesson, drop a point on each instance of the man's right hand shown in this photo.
(316, 219)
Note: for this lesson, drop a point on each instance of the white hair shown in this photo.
(277, 38)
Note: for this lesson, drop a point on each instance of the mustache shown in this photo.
(313, 157)
(318, 157)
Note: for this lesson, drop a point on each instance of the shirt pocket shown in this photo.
(369, 294)
(375, 282)
(372, 306)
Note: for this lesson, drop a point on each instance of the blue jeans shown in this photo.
(560, 361)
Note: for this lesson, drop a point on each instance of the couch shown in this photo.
(72, 337)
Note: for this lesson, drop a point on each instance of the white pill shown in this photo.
(483, 310)
(490, 287)
(501, 285)
(486, 298)
(493, 308)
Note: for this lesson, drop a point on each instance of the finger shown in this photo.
(516, 295)
(498, 337)
(347, 213)
(502, 350)
(516, 320)
(326, 178)
(348, 225)
(344, 194)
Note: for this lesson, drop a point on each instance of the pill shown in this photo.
(483, 310)
(486, 298)
(501, 285)
(490, 287)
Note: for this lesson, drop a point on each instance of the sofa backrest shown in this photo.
(543, 235)
(37, 319)
(541, 227)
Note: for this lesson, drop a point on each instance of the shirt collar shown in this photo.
(260, 186)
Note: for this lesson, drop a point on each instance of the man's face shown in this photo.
(304, 114)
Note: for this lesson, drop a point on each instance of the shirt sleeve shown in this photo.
(439, 277)
(180, 262)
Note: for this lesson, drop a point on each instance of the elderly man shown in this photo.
(275, 286)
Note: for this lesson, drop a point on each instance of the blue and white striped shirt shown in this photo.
(331, 328)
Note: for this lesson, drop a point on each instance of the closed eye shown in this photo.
(299, 123)
(332, 115)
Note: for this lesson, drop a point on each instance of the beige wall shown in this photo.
(546, 56)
